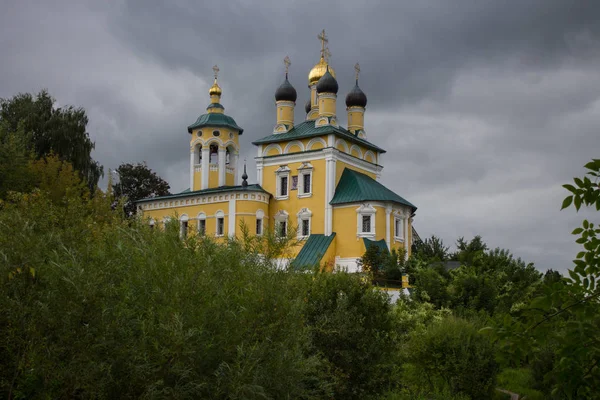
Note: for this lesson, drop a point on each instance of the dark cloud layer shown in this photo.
(485, 107)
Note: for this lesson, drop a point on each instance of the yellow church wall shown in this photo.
(229, 179)
(213, 179)
(192, 211)
(294, 148)
(328, 259)
(348, 244)
(340, 165)
(294, 204)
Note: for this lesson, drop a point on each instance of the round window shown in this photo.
(230, 135)
(216, 133)
(199, 133)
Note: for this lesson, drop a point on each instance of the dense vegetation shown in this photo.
(96, 304)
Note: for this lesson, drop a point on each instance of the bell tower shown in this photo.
(214, 145)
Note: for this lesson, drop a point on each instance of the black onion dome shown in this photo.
(286, 92)
(356, 98)
(307, 106)
(327, 83)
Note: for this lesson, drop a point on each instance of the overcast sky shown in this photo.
(485, 107)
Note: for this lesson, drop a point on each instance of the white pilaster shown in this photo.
(205, 163)
(221, 166)
(259, 171)
(407, 243)
(192, 160)
(388, 236)
(330, 165)
(231, 225)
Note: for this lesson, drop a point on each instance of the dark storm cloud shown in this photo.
(485, 107)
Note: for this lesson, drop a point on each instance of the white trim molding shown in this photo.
(293, 143)
(305, 172)
(280, 173)
(365, 210)
(304, 215)
(280, 217)
(272, 146)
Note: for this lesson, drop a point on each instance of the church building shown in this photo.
(301, 166)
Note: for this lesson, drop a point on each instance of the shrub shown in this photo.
(450, 355)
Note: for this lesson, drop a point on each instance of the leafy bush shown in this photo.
(450, 355)
(520, 381)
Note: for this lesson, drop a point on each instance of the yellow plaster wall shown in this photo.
(213, 179)
(192, 211)
(345, 227)
(327, 106)
(273, 151)
(328, 259)
(229, 179)
(294, 149)
(315, 203)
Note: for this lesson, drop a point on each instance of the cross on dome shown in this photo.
(357, 69)
(216, 71)
(287, 63)
(323, 38)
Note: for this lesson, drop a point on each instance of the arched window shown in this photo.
(201, 224)
(214, 153)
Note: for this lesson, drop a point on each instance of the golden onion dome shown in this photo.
(318, 71)
(215, 89)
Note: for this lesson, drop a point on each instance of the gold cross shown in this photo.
(323, 38)
(357, 69)
(287, 63)
(216, 71)
(326, 54)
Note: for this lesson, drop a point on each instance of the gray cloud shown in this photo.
(485, 108)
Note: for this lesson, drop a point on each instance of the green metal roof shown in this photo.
(381, 244)
(355, 187)
(313, 250)
(216, 120)
(220, 189)
(307, 129)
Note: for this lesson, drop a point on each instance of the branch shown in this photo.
(591, 296)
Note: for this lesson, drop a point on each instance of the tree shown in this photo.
(431, 249)
(50, 130)
(566, 316)
(136, 182)
(15, 172)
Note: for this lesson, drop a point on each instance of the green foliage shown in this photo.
(431, 250)
(520, 381)
(352, 326)
(94, 306)
(137, 182)
(15, 172)
(450, 355)
(560, 328)
(46, 129)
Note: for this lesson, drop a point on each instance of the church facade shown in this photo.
(315, 178)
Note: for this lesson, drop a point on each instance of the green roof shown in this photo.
(307, 129)
(220, 189)
(381, 244)
(313, 250)
(216, 120)
(355, 187)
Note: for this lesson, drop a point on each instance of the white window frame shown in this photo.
(201, 217)
(260, 216)
(151, 223)
(282, 172)
(281, 216)
(399, 221)
(306, 169)
(219, 215)
(365, 210)
(304, 215)
(184, 226)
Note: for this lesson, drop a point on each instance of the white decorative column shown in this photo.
(192, 161)
(259, 171)
(234, 162)
(222, 154)
(407, 243)
(388, 235)
(205, 162)
(330, 165)
(231, 219)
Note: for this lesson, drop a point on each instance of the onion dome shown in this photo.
(286, 92)
(215, 89)
(244, 177)
(327, 83)
(318, 71)
(307, 106)
(356, 97)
